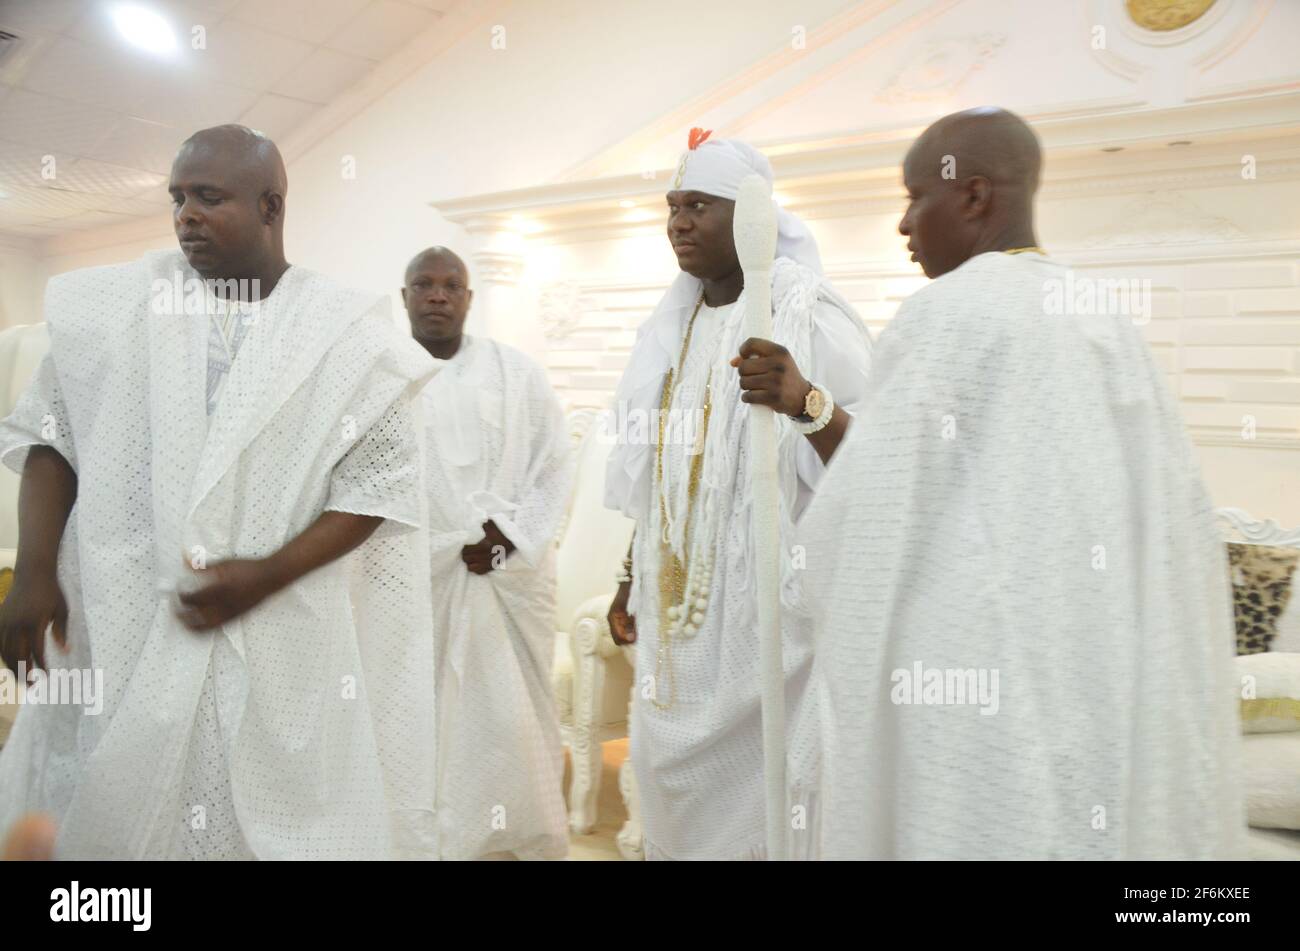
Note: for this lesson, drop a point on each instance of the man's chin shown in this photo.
(435, 338)
(689, 263)
(204, 262)
(931, 269)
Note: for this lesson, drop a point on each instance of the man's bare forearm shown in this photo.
(327, 539)
(45, 498)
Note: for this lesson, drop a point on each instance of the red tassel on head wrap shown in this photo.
(697, 138)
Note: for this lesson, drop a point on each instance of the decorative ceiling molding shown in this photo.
(817, 181)
(1232, 40)
(498, 267)
(817, 41)
(1201, 46)
(1157, 219)
(940, 68)
(871, 46)
(1170, 22)
(1152, 175)
(1198, 89)
(1101, 16)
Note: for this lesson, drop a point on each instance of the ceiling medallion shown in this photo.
(1164, 15)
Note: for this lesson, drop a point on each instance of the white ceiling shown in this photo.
(112, 116)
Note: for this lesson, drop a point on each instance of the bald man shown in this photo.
(241, 568)
(498, 479)
(1021, 602)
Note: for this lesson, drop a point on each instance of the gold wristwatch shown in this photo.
(818, 407)
(813, 404)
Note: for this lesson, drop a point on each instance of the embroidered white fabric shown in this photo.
(498, 449)
(1018, 496)
(320, 700)
(699, 764)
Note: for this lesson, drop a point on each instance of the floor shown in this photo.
(600, 844)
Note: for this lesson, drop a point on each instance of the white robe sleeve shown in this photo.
(38, 419)
(840, 362)
(629, 468)
(534, 524)
(380, 474)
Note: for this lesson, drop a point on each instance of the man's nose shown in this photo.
(904, 226)
(188, 212)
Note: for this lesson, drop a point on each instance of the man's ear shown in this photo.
(979, 193)
(469, 300)
(272, 205)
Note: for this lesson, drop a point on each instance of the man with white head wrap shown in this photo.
(680, 469)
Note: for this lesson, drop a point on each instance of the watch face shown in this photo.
(814, 403)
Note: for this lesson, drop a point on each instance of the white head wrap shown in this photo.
(718, 166)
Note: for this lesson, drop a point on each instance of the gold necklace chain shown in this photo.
(1035, 249)
(674, 571)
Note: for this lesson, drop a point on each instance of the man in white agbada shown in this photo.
(1022, 602)
(688, 598)
(230, 428)
(499, 476)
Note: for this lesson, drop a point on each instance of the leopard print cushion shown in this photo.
(1261, 588)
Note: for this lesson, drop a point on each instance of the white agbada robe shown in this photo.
(1019, 495)
(304, 728)
(699, 763)
(498, 449)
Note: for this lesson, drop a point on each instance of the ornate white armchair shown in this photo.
(592, 677)
(1269, 776)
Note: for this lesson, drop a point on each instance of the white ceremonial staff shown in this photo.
(754, 227)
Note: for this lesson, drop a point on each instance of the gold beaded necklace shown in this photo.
(681, 607)
(1031, 250)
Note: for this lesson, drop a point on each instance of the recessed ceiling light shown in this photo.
(145, 29)
(627, 203)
